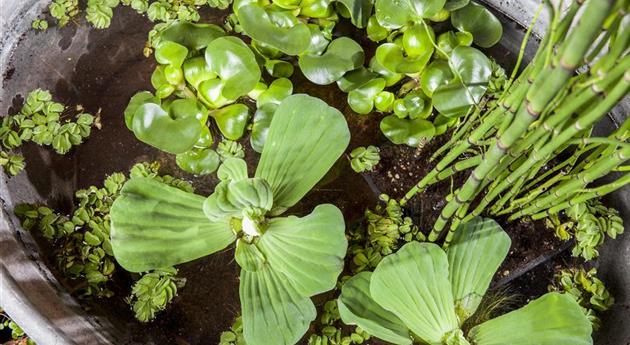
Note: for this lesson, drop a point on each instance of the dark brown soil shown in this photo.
(102, 69)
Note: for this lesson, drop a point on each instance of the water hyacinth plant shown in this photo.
(425, 294)
(284, 260)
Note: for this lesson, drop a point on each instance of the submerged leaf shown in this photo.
(356, 307)
(154, 225)
(306, 138)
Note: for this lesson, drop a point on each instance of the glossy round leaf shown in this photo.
(409, 132)
(199, 161)
(196, 71)
(342, 55)
(235, 64)
(452, 5)
(359, 10)
(171, 53)
(258, 25)
(438, 73)
(485, 28)
(361, 99)
(135, 102)
(395, 14)
(475, 69)
(392, 56)
(192, 36)
(232, 120)
(154, 126)
(356, 78)
(260, 126)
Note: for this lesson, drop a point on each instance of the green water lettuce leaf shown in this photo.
(342, 55)
(235, 64)
(198, 161)
(274, 312)
(356, 307)
(251, 196)
(290, 38)
(553, 319)
(413, 133)
(154, 225)
(485, 28)
(155, 126)
(309, 250)
(362, 99)
(192, 36)
(232, 120)
(475, 69)
(232, 169)
(477, 250)
(248, 256)
(395, 14)
(413, 284)
(305, 139)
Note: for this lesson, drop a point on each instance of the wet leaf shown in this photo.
(485, 28)
(199, 161)
(342, 55)
(413, 133)
(232, 120)
(235, 64)
(395, 14)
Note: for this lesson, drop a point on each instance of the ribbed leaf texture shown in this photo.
(308, 250)
(476, 252)
(232, 169)
(553, 319)
(356, 307)
(274, 312)
(294, 259)
(231, 199)
(413, 284)
(155, 225)
(305, 139)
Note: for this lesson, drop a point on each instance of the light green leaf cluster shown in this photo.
(424, 293)
(99, 13)
(220, 4)
(230, 149)
(41, 120)
(153, 292)
(40, 24)
(364, 159)
(83, 249)
(64, 10)
(383, 231)
(331, 330)
(587, 289)
(284, 260)
(589, 223)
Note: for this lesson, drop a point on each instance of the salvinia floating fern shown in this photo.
(153, 292)
(424, 293)
(589, 223)
(587, 289)
(284, 260)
